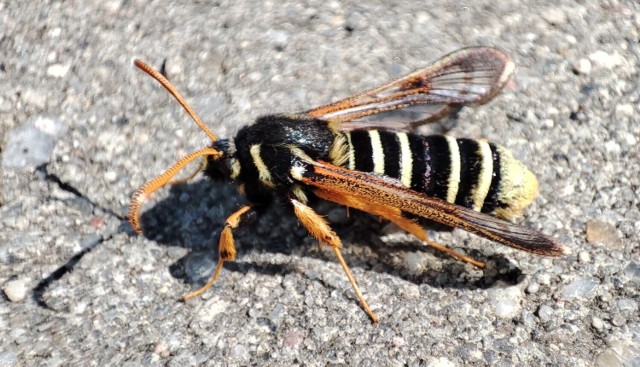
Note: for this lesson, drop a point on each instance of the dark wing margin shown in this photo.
(383, 191)
(469, 76)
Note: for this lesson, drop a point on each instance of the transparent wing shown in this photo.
(380, 193)
(469, 76)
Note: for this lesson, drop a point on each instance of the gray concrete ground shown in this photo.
(81, 129)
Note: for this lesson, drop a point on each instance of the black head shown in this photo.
(219, 168)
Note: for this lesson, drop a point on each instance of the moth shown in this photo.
(360, 152)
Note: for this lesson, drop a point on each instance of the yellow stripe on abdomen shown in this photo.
(454, 175)
(352, 152)
(378, 152)
(406, 160)
(485, 175)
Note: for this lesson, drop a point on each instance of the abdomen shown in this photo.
(472, 173)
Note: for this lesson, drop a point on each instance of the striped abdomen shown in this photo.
(472, 173)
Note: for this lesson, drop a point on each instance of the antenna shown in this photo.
(171, 89)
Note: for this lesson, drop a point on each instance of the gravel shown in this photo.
(81, 129)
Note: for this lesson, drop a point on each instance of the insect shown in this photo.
(360, 152)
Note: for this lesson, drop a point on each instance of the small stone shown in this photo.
(544, 279)
(173, 342)
(199, 266)
(110, 176)
(620, 353)
(291, 340)
(35, 98)
(60, 194)
(49, 125)
(27, 147)
(632, 273)
(356, 20)
(112, 6)
(597, 323)
(184, 198)
(506, 301)
(582, 66)
(184, 358)
(531, 116)
(58, 70)
(337, 216)
(624, 110)
(618, 320)
(175, 67)
(555, 16)
(162, 350)
(5, 105)
(279, 39)
(628, 139)
(605, 60)
(16, 290)
(31, 144)
(552, 110)
(506, 308)
(545, 312)
(399, 341)
(548, 123)
(214, 307)
(612, 146)
(8, 358)
(600, 232)
(239, 352)
(177, 252)
(414, 262)
(440, 362)
(55, 32)
(580, 287)
(533, 288)
(410, 291)
(277, 314)
(584, 257)
(627, 304)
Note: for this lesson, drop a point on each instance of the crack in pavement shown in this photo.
(39, 290)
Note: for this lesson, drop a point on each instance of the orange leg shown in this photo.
(417, 230)
(395, 215)
(201, 167)
(226, 249)
(319, 228)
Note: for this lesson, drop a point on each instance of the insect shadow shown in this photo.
(192, 216)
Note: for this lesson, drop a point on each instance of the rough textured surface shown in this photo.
(83, 129)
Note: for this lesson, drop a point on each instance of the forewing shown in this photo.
(352, 186)
(471, 75)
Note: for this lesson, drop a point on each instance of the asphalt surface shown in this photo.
(81, 129)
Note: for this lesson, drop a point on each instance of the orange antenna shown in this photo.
(147, 189)
(171, 89)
